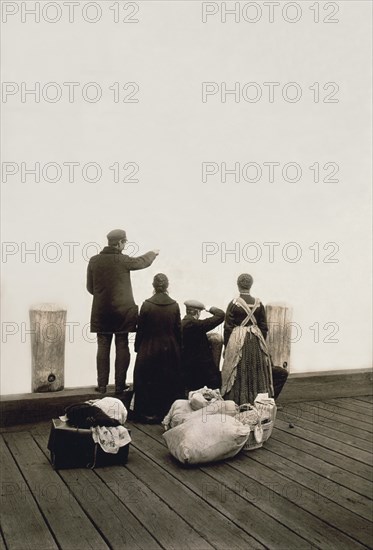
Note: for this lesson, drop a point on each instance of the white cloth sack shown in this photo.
(111, 406)
(198, 440)
(111, 438)
(202, 397)
(181, 411)
(221, 408)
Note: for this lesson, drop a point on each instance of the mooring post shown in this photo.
(279, 316)
(48, 327)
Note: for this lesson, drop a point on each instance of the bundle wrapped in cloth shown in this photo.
(111, 439)
(199, 403)
(179, 412)
(203, 428)
(202, 397)
(200, 440)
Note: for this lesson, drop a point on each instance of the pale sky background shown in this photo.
(169, 133)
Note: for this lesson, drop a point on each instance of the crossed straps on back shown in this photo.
(249, 310)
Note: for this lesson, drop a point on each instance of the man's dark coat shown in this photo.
(197, 361)
(108, 279)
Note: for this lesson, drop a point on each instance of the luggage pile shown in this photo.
(90, 434)
(205, 428)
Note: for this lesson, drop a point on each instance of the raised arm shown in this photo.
(141, 262)
(216, 319)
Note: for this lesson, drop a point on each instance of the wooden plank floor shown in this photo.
(310, 486)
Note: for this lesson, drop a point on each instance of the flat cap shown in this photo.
(194, 303)
(116, 234)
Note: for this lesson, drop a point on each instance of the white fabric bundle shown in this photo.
(206, 438)
(111, 406)
(111, 438)
(181, 410)
(202, 397)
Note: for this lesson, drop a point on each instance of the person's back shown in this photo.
(195, 342)
(247, 364)
(197, 360)
(159, 321)
(113, 307)
(157, 375)
(114, 311)
(110, 266)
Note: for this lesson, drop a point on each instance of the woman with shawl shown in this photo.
(247, 363)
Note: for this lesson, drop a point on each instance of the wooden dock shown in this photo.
(310, 486)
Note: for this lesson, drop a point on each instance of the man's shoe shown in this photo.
(100, 389)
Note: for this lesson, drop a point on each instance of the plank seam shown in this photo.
(129, 510)
(347, 534)
(185, 488)
(72, 495)
(332, 436)
(111, 490)
(3, 538)
(313, 471)
(326, 522)
(344, 417)
(299, 436)
(352, 447)
(299, 534)
(209, 503)
(33, 497)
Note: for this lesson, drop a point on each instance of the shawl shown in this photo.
(111, 438)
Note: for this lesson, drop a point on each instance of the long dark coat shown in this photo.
(157, 375)
(109, 280)
(198, 364)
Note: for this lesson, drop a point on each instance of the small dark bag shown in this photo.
(84, 415)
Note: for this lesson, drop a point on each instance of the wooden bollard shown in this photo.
(48, 327)
(279, 318)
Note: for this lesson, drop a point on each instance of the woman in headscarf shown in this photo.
(247, 363)
(157, 374)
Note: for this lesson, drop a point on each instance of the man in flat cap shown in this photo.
(199, 366)
(113, 309)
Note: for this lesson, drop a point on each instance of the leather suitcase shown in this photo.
(72, 447)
